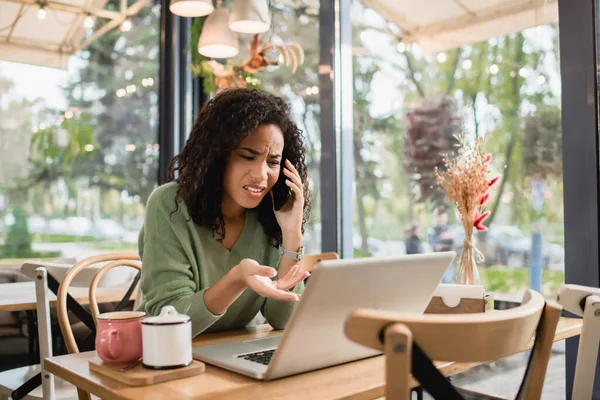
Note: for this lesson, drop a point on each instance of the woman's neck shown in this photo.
(232, 212)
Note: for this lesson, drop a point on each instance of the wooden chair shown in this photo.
(114, 260)
(308, 262)
(585, 302)
(411, 341)
(14, 379)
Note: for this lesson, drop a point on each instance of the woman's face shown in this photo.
(253, 167)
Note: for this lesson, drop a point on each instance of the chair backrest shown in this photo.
(308, 261)
(114, 260)
(584, 301)
(29, 267)
(475, 337)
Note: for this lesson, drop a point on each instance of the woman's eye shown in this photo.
(274, 163)
(247, 158)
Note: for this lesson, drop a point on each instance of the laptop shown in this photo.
(314, 337)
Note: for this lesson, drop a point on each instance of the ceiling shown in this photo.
(438, 25)
(49, 42)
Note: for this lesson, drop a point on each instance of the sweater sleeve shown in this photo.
(278, 312)
(167, 277)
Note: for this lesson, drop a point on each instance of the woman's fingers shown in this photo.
(293, 177)
(296, 189)
(293, 270)
(257, 269)
(266, 288)
(291, 167)
(292, 278)
(290, 274)
(258, 278)
(290, 283)
(266, 271)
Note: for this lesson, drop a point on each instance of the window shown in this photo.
(292, 23)
(79, 146)
(413, 89)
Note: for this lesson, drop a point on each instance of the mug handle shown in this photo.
(113, 343)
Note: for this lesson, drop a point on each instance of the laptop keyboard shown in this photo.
(261, 357)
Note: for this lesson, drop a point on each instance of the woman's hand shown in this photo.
(289, 217)
(258, 278)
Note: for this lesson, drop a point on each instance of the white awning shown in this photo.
(438, 25)
(49, 42)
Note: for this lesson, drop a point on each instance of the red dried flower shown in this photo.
(484, 199)
(479, 218)
(493, 181)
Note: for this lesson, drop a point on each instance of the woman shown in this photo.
(212, 240)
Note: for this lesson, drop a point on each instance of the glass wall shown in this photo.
(295, 78)
(299, 23)
(414, 89)
(79, 146)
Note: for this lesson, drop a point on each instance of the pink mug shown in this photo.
(119, 336)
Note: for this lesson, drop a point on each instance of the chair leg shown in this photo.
(26, 388)
(535, 372)
(587, 354)
(419, 392)
(398, 358)
(83, 395)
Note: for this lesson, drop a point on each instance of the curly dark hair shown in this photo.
(221, 125)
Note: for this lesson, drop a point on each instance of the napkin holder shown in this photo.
(459, 299)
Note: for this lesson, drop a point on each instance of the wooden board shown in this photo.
(140, 376)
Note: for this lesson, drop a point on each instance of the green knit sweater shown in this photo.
(181, 260)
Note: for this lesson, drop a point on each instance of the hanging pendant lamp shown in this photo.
(191, 8)
(217, 40)
(250, 16)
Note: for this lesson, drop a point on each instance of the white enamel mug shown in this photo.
(167, 340)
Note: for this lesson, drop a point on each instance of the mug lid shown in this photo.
(168, 316)
(121, 315)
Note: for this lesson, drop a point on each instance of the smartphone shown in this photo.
(281, 191)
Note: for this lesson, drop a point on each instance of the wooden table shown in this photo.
(362, 379)
(20, 296)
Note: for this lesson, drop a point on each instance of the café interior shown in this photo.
(450, 158)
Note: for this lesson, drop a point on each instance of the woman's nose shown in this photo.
(261, 171)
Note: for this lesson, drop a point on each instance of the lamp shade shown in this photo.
(191, 8)
(217, 40)
(250, 16)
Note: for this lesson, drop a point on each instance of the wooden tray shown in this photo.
(140, 376)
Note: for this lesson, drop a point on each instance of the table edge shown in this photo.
(71, 377)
